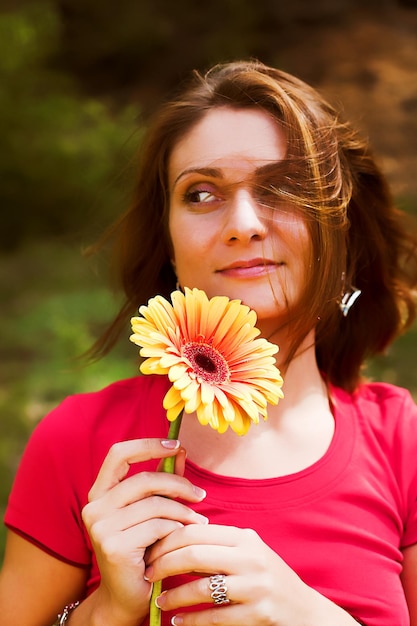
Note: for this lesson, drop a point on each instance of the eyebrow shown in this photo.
(205, 171)
(217, 173)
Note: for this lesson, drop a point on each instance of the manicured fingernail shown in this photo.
(160, 600)
(177, 620)
(171, 444)
(202, 519)
(148, 573)
(201, 493)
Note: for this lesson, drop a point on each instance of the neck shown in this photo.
(301, 376)
(297, 432)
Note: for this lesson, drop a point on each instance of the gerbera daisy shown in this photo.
(210, 352)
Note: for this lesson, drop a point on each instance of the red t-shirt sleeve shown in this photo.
(64, 456)
(407, 463)
(51, 485)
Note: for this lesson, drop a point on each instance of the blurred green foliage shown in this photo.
(65, 168)
(61, 153)
(53, 306)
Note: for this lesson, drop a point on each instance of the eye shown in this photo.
(200, 195)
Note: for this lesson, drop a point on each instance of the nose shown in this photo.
(242, 219)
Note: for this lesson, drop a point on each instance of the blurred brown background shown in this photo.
(71, 69)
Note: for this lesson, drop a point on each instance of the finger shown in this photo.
(138, 512)
(196, 592)
(213, 534)
(180, 462)
(130, 541)
(203, 549)
(195, 559)
(121, 456)
(145, 484)
(229, 615)
(158, 507)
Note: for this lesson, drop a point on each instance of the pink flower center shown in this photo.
(207, 362)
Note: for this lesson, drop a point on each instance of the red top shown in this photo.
(340, 524)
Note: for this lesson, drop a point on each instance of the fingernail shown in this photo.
(202, 519)
(171, 444)
(177, 620)
(159, 601)
(201, 493)
(148, 573)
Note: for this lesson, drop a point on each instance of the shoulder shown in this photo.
(388, 403)
(65, 453)
(381, 401)
(137, 390)
(382, 392)
(126, 409)
(125, 397)
(386, 414)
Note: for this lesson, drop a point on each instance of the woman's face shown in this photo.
(225, 239)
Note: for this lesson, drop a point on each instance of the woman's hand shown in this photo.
(261, 588)
(125, 516)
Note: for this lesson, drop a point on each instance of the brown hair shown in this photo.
(359, 237)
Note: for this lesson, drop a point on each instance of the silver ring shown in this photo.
(218, 589)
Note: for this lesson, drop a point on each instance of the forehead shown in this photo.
(229, 138)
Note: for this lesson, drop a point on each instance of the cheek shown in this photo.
(188, 250)
(176, 234)
(190, 237)
(300, 244)
(298, 239)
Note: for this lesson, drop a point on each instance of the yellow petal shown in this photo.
(217, 307)
(230, 322)
(182, 382)
(171, 398)
(177, 371)
(204, 413)
(244, 334)
(174, 411)
(190, 390)
(178, 300)
(241, 424)
(193, 402)
(207, 393)
(151, 366)
(169, 360)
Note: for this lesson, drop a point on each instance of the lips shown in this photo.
(249, 268)
(249, 263)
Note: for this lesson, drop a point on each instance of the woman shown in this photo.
(251, 187)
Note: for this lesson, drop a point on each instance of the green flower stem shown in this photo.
(168, 465)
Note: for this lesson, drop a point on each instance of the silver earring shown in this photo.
(349, 297)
